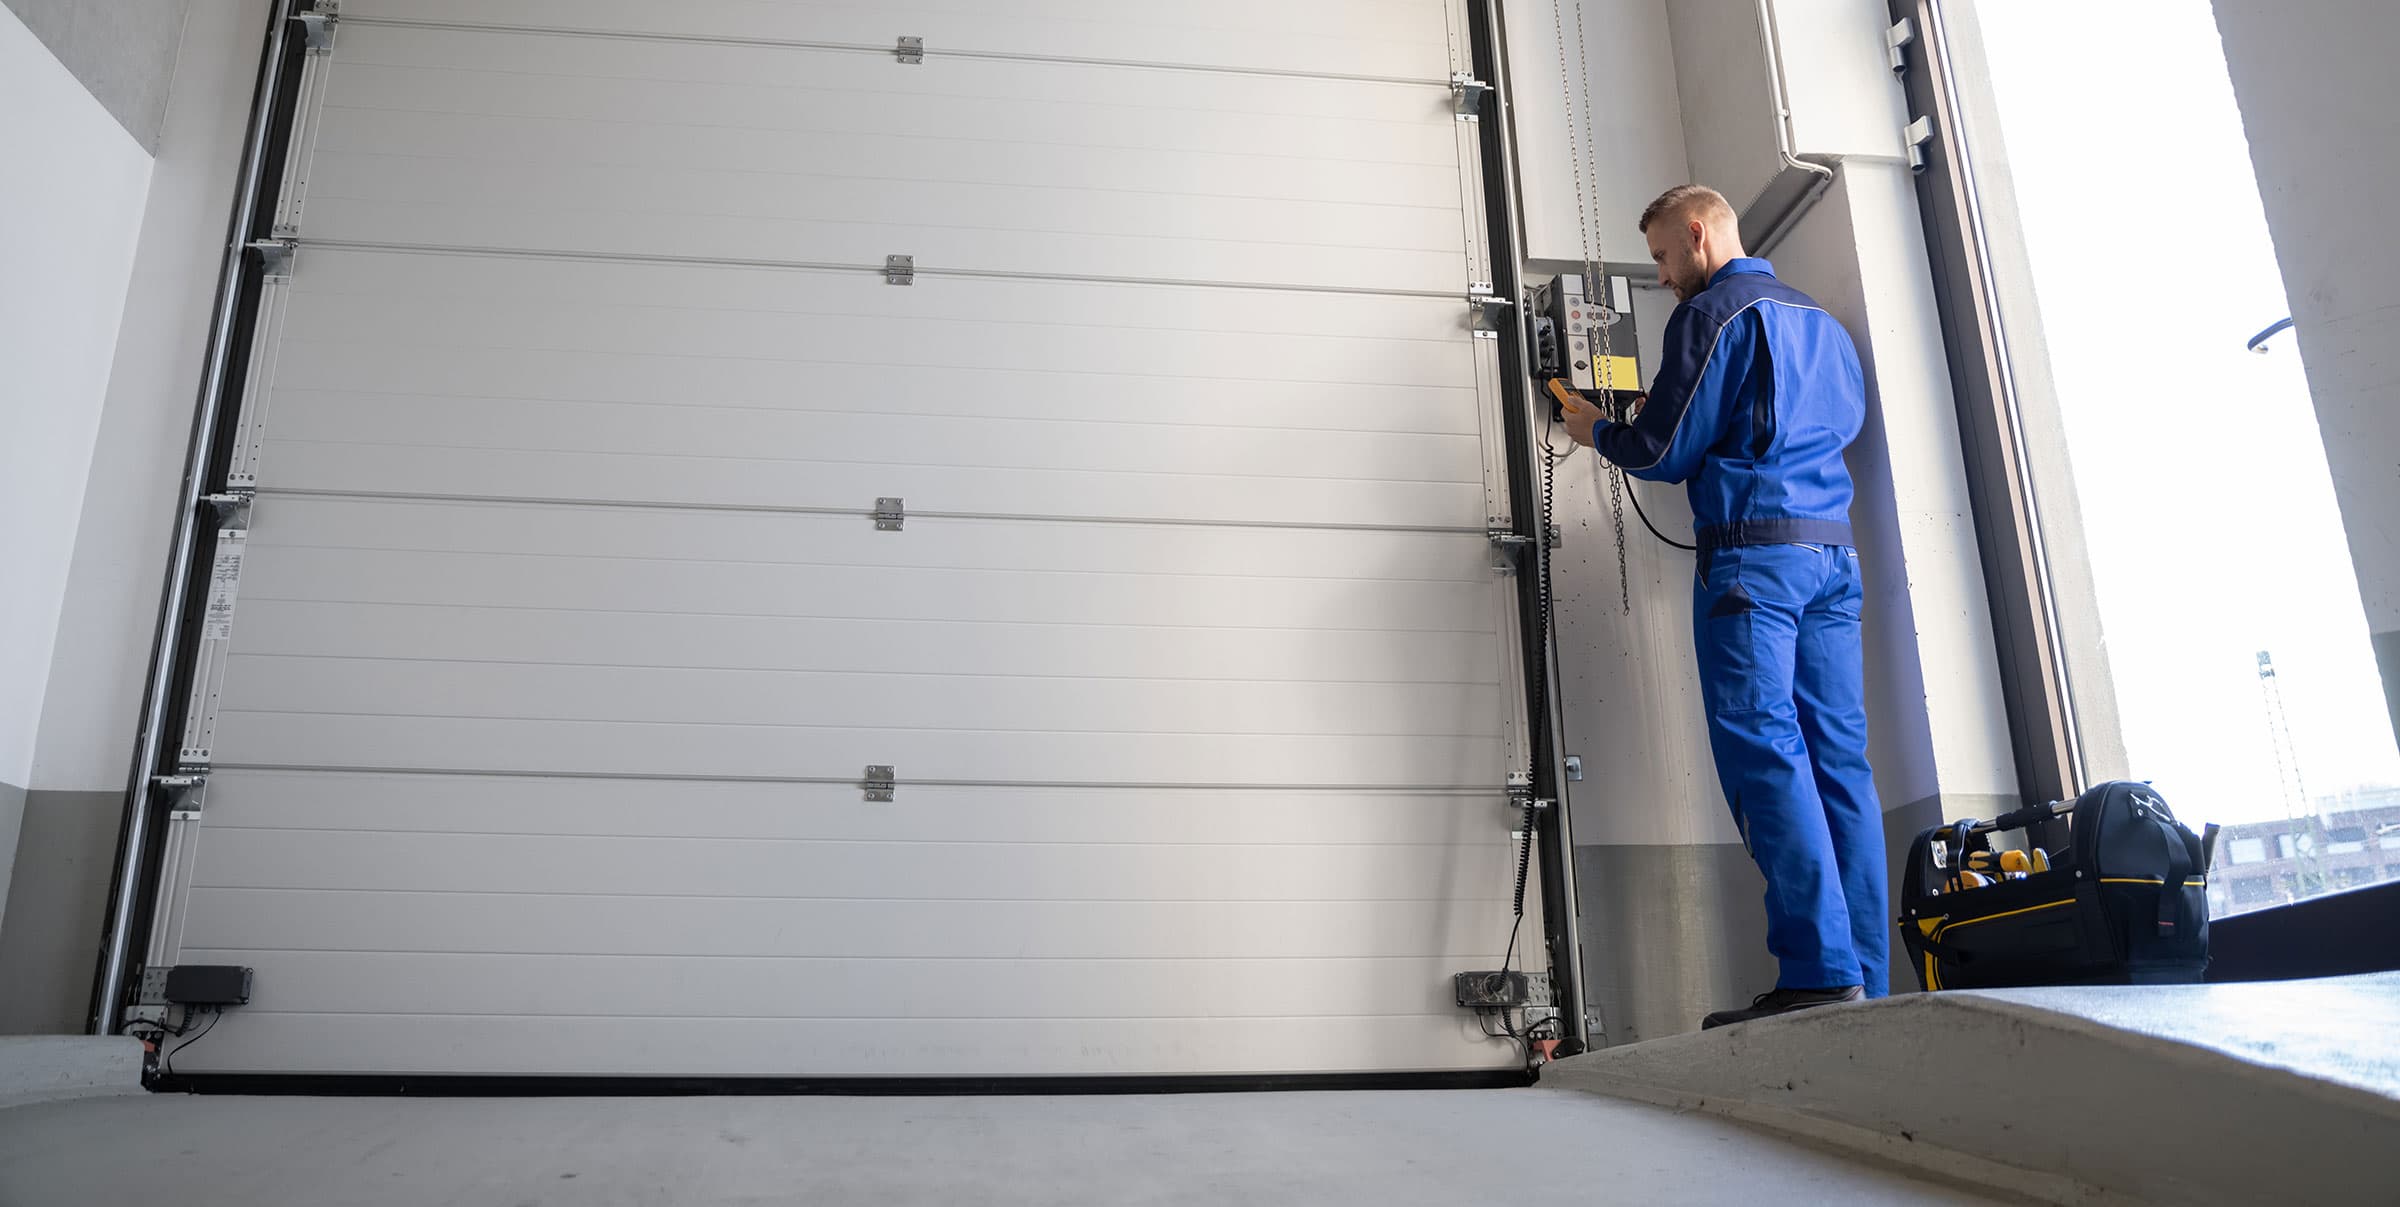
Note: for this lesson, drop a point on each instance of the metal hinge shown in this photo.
(878, 783)
(1485, 310)
(1917, 134)
(910, 50)
(232, 506)
(275, 256)
(1896, 40)
(899, 270)
(317, 28)
(890, 514)
(1505, 543)
(1520, 792)
(1466, 95)
(185, 791)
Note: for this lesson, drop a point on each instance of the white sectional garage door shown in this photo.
(566, 631)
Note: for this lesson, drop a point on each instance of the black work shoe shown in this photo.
(1783, 1001)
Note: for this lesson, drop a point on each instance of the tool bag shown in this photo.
(2126, 902)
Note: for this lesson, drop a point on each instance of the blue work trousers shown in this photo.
(1777, 632)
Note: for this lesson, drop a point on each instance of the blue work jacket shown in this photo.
(1758, 393)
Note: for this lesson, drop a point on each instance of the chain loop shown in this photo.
(1595, 278)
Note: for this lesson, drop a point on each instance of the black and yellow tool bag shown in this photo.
(2125, 901)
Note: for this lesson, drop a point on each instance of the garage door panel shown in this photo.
(839, 209)
(662, 297)
(794, 210)
(814, 869)
(744, 697)
(760, 482)
(1274, 556)
(801, 241)
(936, 158)
(849, 101)
(252, 739)
(737, 810)
(499, 426)
(902, 990)
(1430, 350)
(1059, 394)
(870, 78)
(302, 920)
(966, 596)
(593, 639)
(854, 1047)
(1403, 38)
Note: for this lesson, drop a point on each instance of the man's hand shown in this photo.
(1581, 416)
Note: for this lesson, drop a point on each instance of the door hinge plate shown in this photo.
(1918, 135)
(878, 783)
(1896, 41)
(910, 49)
(890, 514)
(899, 270)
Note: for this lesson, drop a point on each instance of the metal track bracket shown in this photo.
(1486, 310)
(1520, 792)
(232, 507)
(317, 25)
(1466, 95)
(1506, 541)
(275, 255)
(186, 791)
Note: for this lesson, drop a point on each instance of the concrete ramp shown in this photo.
(2283, 1092)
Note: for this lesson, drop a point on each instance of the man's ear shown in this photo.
(1697, 230)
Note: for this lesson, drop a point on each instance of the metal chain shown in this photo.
(1595, 281)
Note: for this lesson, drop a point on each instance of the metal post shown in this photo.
(1543, 712)
(2045, 729)
(134, 839)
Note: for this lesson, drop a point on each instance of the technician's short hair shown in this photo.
(1697, 200)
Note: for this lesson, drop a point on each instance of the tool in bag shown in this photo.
(2124, 902)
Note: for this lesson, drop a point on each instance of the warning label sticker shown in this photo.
(224, 577)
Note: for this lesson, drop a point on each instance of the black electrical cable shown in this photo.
(1630, 493)
(1634, 495)
(1524, 872)
(167, 1062)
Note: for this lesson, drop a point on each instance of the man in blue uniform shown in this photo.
(1758, 393)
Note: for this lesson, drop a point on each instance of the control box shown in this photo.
(1568, 326)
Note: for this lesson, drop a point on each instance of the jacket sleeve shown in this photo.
(1692, 399)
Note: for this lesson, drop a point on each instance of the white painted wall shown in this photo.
(104, 639)
(1833, 55)
(1631, 154)
(71, 208)
(1940, 724)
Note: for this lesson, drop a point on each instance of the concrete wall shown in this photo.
(2321, 105)
(68, 223)
(122, 50)
(121, 519)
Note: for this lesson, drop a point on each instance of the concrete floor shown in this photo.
(1449, 1148)
(2339, 1029)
